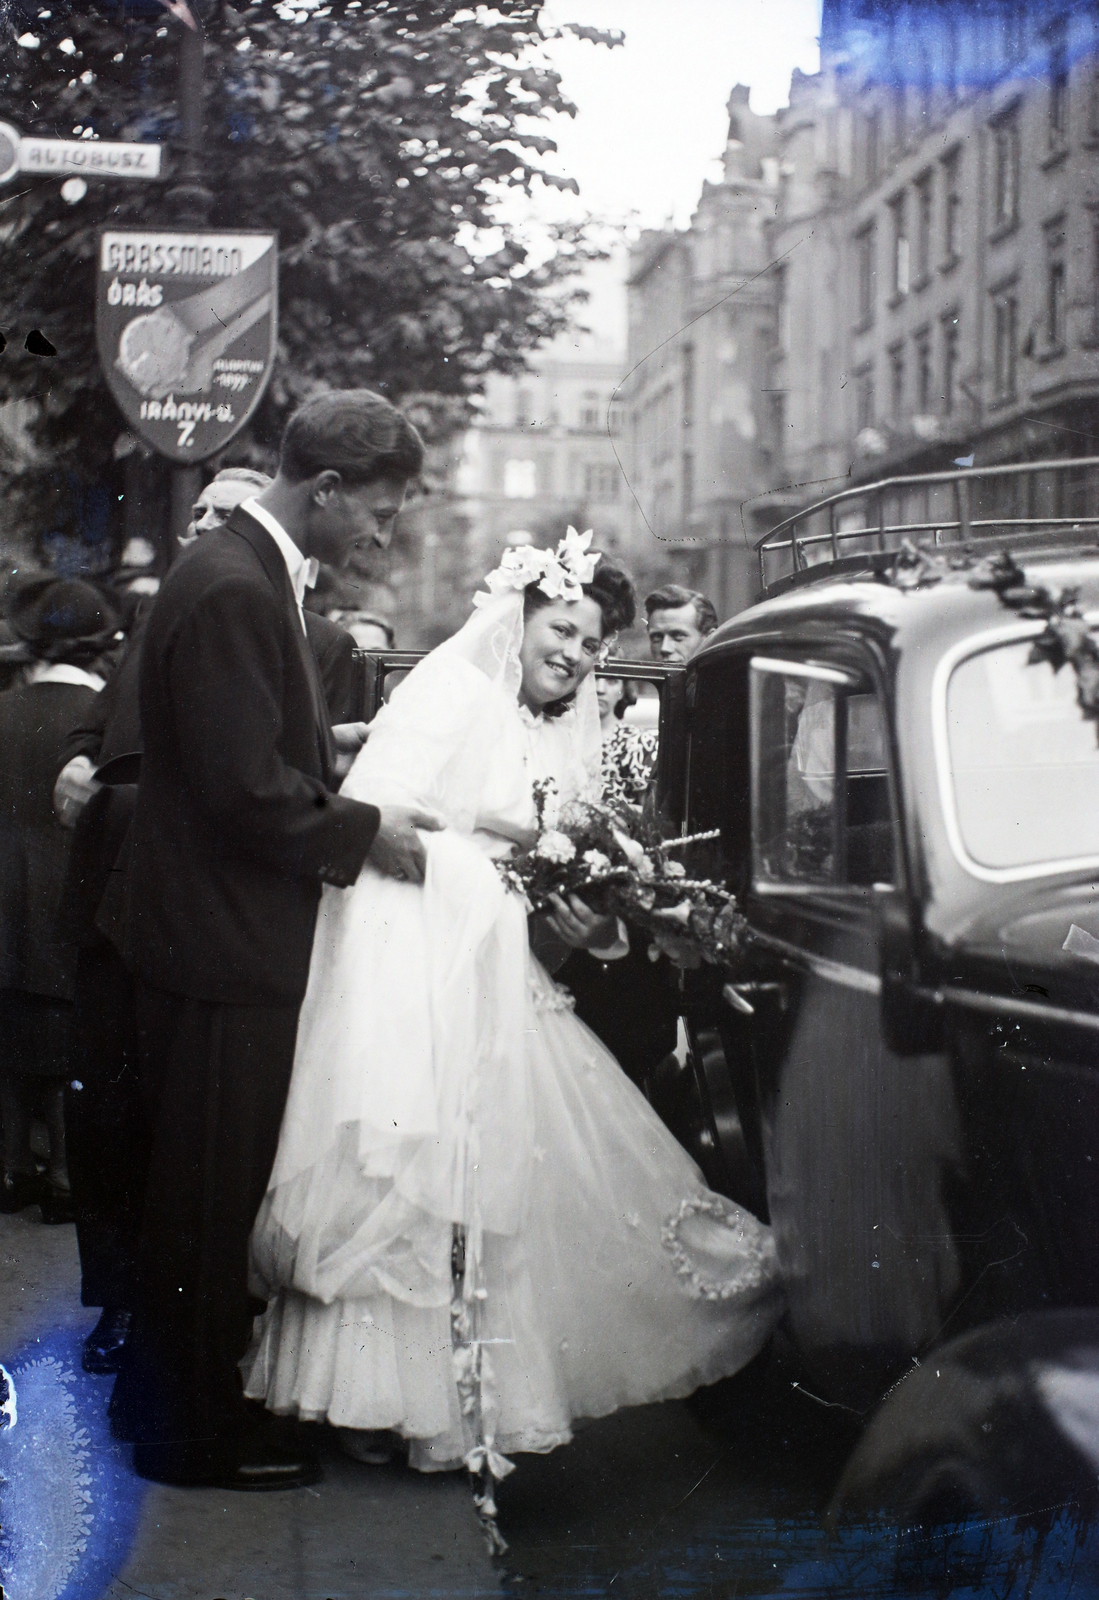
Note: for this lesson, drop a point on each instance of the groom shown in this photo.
(235, 830)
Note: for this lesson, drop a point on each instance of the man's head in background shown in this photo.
(222, 495)
(369, 629)
(678, 620)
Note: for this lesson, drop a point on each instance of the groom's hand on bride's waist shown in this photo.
(398, 850)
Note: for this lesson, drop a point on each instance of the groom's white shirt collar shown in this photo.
(303, 569)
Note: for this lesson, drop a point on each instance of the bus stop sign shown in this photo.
(186, 325)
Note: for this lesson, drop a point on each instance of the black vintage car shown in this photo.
(908, 808)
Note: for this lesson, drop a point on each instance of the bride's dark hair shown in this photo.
(613, 592)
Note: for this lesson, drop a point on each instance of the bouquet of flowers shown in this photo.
(613, 857)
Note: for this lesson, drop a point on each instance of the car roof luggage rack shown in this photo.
(1037, 502)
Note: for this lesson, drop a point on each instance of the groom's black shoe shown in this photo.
(250, 1464)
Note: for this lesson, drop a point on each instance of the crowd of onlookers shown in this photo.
(74, 1122)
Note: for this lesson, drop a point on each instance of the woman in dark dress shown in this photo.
(66, 625)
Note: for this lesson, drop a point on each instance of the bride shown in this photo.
(476, 1228)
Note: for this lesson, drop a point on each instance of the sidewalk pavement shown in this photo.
(363, 1533)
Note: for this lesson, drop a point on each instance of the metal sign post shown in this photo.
(190, 201)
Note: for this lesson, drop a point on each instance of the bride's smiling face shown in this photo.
(561, 644)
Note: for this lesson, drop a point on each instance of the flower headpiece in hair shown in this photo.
(560, 573)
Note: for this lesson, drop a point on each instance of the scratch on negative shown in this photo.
(833, 1405)
(677, 1505)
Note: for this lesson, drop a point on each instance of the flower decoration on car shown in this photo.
(560, 573)
(1067, 639)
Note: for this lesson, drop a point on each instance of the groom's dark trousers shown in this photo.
(235, 829)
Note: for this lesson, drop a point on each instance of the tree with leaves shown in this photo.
(376, 136)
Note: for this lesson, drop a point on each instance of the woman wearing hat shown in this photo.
(66, 626)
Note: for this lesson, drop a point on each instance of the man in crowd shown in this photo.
(678, 620)
(369, 629)
(236, 827)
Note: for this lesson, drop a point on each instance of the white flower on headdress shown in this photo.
(573, 553)
(520, 565)
(558, 582)
(559, 573)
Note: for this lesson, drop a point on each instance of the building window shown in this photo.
(950, 365)
(524, 406)
(950, 72)
(952, 207)
(1005, 329)
(1005, 173)
(589, 410)
(1013, 24)
(901, 251)
(600, 482)
(896, 383)
(688, 482)
(924, 202)
(663, 442)
(777, 414)
(923, 372)
(614, 419)
(865, 251)
(1058, 85)
(1055, 304)
(900, 121)
(873, 145)
(864, 398)
(520, 480)
(688, 385)
(782, 309)
(925, 81)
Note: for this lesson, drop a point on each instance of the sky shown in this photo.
(652, 118)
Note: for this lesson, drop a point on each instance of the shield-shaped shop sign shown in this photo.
(186, 326)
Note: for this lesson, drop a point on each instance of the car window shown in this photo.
(1024, 761)
(821, 811)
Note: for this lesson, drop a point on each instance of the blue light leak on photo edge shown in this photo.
(69, 1499)
(957, 46)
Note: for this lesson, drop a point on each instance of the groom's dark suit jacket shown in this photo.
(236, 826)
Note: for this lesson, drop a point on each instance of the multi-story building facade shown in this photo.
(700, 331)
(937, 244)
(911, 255)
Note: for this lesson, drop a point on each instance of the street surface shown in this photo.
(714, 1498)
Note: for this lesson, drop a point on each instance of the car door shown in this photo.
(852, 1142)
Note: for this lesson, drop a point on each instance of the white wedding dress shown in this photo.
(443, 1089)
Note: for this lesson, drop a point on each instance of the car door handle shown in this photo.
(736, 995)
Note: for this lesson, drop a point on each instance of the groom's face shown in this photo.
(345, 517)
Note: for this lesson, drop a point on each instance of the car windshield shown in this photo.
(1024, 761)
